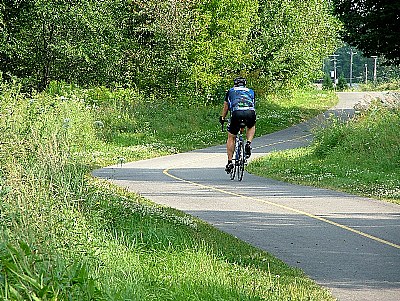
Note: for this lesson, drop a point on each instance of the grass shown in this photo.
(181, 126)
(67, 236)
(360, 156)
(132, 126)
(393, 85)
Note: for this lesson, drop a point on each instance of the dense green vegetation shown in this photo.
(360, 156)
(132, 126)
(66, 236)
(186, 48)
(388, 86)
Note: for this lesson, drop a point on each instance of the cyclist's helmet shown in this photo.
(239, 81)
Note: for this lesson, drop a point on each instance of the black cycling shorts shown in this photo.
(247, 117)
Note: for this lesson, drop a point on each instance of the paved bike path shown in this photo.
(348, 244)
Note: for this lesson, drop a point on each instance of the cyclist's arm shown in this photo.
(225, 110)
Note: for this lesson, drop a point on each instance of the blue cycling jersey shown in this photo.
(240, 98)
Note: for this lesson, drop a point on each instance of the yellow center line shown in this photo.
(377, 239)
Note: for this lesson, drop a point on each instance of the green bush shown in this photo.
(27, 274)
(393, 85)
(374, 136)
(329, 138)
(342, 84)
(327, 83)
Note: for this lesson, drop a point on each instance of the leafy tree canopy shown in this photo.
(185, 47)
(372, 26)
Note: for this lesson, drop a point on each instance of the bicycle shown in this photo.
(239, 156)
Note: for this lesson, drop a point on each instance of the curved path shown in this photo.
(348, 244)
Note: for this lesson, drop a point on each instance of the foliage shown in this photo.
(68, 40)
(163, 32)
(393, 85)
(27, 274)
(187, 48)
(371, 26)
(222, 48)
(139, 127)
(327, 83)
(342, 83)
(292, 39)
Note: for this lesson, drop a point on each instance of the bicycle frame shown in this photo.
(239, 155)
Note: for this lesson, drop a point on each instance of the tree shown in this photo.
(163, 32)
(327, 83)
(292, 39)
(221, 48)
(372, 26)
(342, 84)
(172, 47)
(62, 40)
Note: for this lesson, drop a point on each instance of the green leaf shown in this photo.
(25, 247)
(14, 293)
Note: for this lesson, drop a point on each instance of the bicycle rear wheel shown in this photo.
(240, 165)
(233, 172)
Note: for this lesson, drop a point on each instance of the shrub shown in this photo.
(342, 84)
(27, 274)
(327, 83)
(328, 138)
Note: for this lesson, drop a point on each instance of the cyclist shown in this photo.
(240, 101)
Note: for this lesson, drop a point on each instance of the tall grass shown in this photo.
(361, 156)
(66, 236)
(393, 85)
(39, 203)
(133, 126)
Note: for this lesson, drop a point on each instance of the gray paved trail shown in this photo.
(348, 244)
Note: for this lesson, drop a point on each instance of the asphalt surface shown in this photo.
(349, 244)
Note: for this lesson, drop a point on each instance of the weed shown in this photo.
(26, 274)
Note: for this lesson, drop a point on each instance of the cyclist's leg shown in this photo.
(250, 133)
(251, 130)
(230, 146)
(250, 124)
(233, 129)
